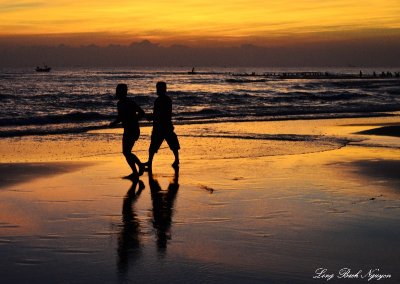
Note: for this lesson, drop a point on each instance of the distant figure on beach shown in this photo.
(192, 72)
(162, 126)
(129, 114)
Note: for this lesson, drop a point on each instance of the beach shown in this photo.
(252, 202)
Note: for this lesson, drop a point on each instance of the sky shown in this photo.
(198, 22)
(201, 23)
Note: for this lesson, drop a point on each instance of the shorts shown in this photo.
(128, 140)
(157, 137)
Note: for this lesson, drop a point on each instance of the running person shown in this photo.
(129, 114)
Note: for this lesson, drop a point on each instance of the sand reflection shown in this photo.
(163, 209)
(129, 241)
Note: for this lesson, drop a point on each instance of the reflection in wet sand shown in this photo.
(163, 209)
(129, 237)
(130, 240)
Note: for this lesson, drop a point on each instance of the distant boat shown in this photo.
(45, 68)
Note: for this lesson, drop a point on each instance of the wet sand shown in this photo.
(253, 202)
(12, 173)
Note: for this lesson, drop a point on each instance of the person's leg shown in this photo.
(175, 164)
(127, 144)
(149, 162)
(173, 143)
(156, 141)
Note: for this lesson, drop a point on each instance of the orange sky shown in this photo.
(198, 21)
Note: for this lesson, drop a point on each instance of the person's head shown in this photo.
(121, 91)
(161, 88)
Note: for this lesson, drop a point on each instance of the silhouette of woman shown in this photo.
(129, 236)
(129, 113)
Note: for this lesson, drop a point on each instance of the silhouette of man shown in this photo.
(163, 208)
(162, 126)
(129, 114)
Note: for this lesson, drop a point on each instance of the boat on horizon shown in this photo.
(45, 68)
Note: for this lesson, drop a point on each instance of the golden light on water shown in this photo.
(194, 21)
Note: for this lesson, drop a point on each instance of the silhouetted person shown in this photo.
(163, 208)
(162, 126)
(129, 113)
(129, 237)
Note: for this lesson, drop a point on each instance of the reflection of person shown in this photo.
(129, 113)
(162, 126)
(163, 208)
(129, 237)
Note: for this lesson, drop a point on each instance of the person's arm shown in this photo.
(168, 110)
(149, 116)
(140, 112)
(117, 120)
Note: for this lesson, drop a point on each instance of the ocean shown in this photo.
(74, 100)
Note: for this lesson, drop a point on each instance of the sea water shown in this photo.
(73, 100)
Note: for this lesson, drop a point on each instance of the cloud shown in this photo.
(378, 51)
(11, 6)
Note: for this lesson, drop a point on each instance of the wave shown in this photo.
(48, 131)
(243, 81)
(315, 143)
(74, 117)
(361, 83)
(281, 137)
(321, 96)
(6, 96)
(82, 127)
(237, 109)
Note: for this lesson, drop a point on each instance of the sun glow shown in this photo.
(193, 21)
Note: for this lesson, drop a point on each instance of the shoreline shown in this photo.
(19, 172)
(177, 121)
